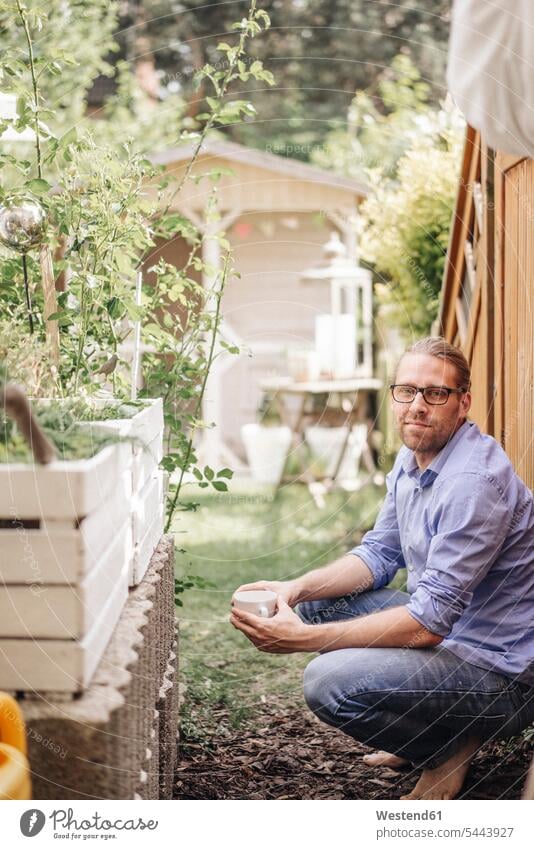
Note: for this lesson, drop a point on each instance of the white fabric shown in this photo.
(491, 70)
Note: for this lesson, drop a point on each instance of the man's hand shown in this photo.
(285, 632)
(282, 633)
(288, 591)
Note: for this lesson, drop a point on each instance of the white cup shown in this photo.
(258, 602)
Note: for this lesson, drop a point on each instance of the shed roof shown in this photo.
(293, 168)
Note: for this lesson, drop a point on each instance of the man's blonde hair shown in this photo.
(437, 346)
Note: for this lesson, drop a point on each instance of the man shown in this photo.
(430, 674)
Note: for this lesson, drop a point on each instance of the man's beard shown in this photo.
(426, 440)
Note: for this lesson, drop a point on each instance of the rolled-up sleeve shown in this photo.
(380, 549)
(471, 522)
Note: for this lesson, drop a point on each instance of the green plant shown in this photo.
(380, 126)
(406, 224)
(25, 359)
(63, 424)
(107, 206)
(408, 152)
(189, 582)
(267, 413)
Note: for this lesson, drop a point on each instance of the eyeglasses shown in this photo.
(433, 395)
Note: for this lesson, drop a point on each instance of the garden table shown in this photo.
(349, 399)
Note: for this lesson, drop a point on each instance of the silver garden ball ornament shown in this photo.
(22, 224)
(23, 227)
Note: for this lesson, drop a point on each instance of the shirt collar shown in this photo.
(432, 471)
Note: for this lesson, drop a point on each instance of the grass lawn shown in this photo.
(233, 538)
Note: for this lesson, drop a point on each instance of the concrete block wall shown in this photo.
(118, 740)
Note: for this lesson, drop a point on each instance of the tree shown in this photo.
(319, 52)
(379, 129)
(69, 32)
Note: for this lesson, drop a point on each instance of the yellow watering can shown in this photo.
(14, 767)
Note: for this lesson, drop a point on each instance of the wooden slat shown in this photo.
(470, 263)
(519, 319)
(462, 223)
(486, 268)
(498, 297)
(512, 254)
(460, 321)
(472, 327)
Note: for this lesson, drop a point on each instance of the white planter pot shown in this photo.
(326, 444)
(266, 449)
(86, 530)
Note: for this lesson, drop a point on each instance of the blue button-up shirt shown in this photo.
(464, 529)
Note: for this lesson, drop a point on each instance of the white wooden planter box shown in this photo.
(64, 551)
(148, 520)
(145, 430)
(62, 489)
(63, 666)
(145, 462)
(65, 611)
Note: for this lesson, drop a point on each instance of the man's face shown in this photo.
(423, 427)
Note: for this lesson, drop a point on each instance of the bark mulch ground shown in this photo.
(292, 755)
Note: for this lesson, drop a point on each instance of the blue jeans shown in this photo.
(420, 704)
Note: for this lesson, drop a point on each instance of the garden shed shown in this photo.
(488, 294)
(277, 214)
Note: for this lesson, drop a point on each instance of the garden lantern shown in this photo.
(343, 337)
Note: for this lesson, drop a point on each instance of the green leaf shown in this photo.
(234, 111)
(38, 186)
(213, 103)
(114, 307)
(225, 473)
(220, 486)
(262, 15)
(209, 473)
(232, 349)
(68, 138)
(169, 463)
(190, 506)
(55, 316)
(135, 312)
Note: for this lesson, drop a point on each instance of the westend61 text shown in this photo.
(408, 815)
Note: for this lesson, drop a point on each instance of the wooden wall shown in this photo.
(516, 279)
(488, 294)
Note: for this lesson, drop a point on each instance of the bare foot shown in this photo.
(446, 780)
(385, 759)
